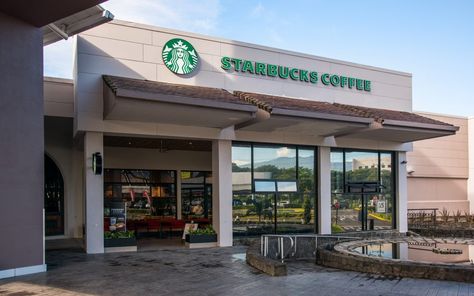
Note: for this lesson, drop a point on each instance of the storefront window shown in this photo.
(281, 195)
(362, 190)
(241, 168)
(196, 195)
(277, 163)
(361, 166)
(138, 194)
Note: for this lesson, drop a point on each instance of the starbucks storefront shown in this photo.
(291, 143)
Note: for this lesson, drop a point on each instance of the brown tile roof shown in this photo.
(215, 94)
(384, 114)
(269, 102)
(265, 102)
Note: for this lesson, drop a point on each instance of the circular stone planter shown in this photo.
(345, 256)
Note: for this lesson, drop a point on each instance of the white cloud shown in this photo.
(282, 152)
(195, 16)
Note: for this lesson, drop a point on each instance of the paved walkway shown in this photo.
(219, 271)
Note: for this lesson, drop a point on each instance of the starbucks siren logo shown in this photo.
(179, 56)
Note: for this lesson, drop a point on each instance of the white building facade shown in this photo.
(211, 113)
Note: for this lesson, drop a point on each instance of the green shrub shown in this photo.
(207, 230)
(118, 234)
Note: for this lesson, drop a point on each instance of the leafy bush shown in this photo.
(118, 234)
(207, 230)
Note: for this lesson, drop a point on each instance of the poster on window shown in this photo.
(381, 206)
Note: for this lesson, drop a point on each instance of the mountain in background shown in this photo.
(288, 162)
(285, 162)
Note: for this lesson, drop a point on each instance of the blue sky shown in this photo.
(433, 40)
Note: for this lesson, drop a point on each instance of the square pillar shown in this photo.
(222, 191)
(94, 195)
(324, 190)
(401, 192)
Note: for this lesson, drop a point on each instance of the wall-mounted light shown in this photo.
(97, 163)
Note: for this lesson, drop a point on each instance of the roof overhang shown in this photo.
(40, 13)
(75, 24)
(404, 132)
(340, 121)
(125, 104)
(150, 101)
(315, 124)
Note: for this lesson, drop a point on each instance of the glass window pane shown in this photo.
(337, 172)
(274, 163)
(306, 170)
(253, 214)
(287, 186)
(381, 205)
(196, 196)
(265, 186)
(362, 166)
(241, 169)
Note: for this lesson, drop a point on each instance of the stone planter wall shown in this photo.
(341, 258)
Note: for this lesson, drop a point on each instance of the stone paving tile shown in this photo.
(219, 271)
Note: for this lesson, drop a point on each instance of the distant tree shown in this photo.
(307, 209)
(236, 168)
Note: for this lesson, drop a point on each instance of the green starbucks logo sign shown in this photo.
(180, 56)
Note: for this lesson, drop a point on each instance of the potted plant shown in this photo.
(201, 237)
(114, 239)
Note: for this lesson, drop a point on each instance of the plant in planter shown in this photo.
(119, 239)
(201, 235)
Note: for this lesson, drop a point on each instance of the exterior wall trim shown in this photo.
(9, 273)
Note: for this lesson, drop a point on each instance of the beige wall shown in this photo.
(134, 50)
(440, 169)
(58, 97)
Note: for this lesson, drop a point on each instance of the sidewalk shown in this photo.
(219, 271)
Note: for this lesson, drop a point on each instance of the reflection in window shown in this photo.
(277, 163)
(337, 171)
(284, 186)
(196, 195)
(241, 169)
(362, 166)
(368, 173)
(265, 186)
(283, 193)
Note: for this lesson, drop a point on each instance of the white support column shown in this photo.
(94, 195)
(324, 190)
(402, 192)
(222, 191)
